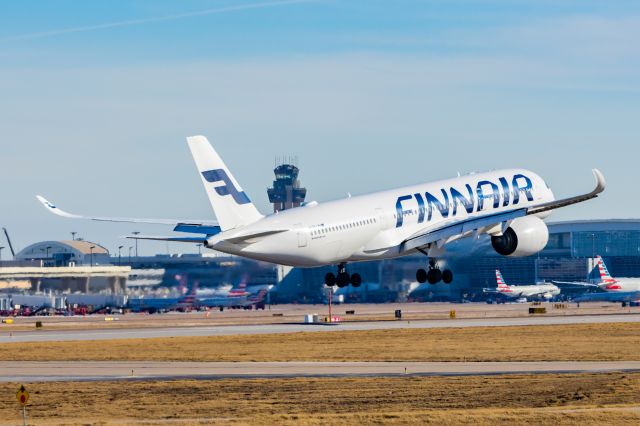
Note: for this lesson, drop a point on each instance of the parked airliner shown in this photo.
(537, 291)
(606, 282)
(508, 205)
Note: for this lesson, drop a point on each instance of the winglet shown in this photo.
(601, 183)
(55, 210)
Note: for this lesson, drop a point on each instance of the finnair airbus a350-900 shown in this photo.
(509, 205)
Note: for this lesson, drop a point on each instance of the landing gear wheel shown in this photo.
(447, 276)
(330, 279)
(356, 280)
(343, 279)
(421, 276)
(434, 276)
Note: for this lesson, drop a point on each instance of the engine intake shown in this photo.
(526, 236)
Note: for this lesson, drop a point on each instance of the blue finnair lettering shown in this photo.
(399, 211)
(505, 191)
(219, 175)
(456, 197)
(443, 207)
(495, 194)
(485, 190)
(420, 201)
(517, 188)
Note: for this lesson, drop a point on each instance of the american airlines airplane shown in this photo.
(539, 291)
(607, 282)
(508, 205)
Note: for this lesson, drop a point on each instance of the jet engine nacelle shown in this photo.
(524, 237)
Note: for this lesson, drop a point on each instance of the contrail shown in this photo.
(31, 36)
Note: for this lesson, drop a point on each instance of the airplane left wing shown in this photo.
(580, 283)
(208, 227)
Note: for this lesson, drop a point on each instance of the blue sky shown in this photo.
(97, 97)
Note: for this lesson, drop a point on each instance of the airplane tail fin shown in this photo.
(605, 277)
(230, 203)
(500, 280)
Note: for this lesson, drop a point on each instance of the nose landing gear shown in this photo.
(343, 278)
(434, 275)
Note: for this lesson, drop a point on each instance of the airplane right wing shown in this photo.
(600, 185)
(479, 224)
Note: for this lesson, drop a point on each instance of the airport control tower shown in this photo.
(286, 191)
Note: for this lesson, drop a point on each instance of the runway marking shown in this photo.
(36, 371)
(226, 330)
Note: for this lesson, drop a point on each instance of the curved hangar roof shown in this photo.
(77, 247)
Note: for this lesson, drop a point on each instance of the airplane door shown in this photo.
(384, 221)
(302, 236)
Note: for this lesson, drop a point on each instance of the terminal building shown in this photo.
(64, 266)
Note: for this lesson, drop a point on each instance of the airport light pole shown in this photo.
(73, 235)
(136, 233)
(130, 248)
(593, 252)
(91, 251)
(119, 255)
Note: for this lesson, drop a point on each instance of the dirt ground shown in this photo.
(548, 399)
(583, 342)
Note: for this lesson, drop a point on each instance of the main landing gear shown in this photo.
(343, 278)
(434, 275)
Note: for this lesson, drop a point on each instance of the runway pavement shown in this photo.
(15, 371)
(8, 336)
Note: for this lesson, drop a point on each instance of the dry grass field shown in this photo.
(578, 399)
(585, 342)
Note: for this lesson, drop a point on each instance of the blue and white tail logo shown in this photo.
(231, 205)
(219, 175)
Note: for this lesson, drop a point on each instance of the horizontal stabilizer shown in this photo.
(197, 240)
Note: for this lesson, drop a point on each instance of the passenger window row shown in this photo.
(322, 230)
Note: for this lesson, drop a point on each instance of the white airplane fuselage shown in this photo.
(373, 226)
(544, 291)
(621, 285)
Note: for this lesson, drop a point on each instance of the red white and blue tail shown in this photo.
(502, 285)
(605, 277)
